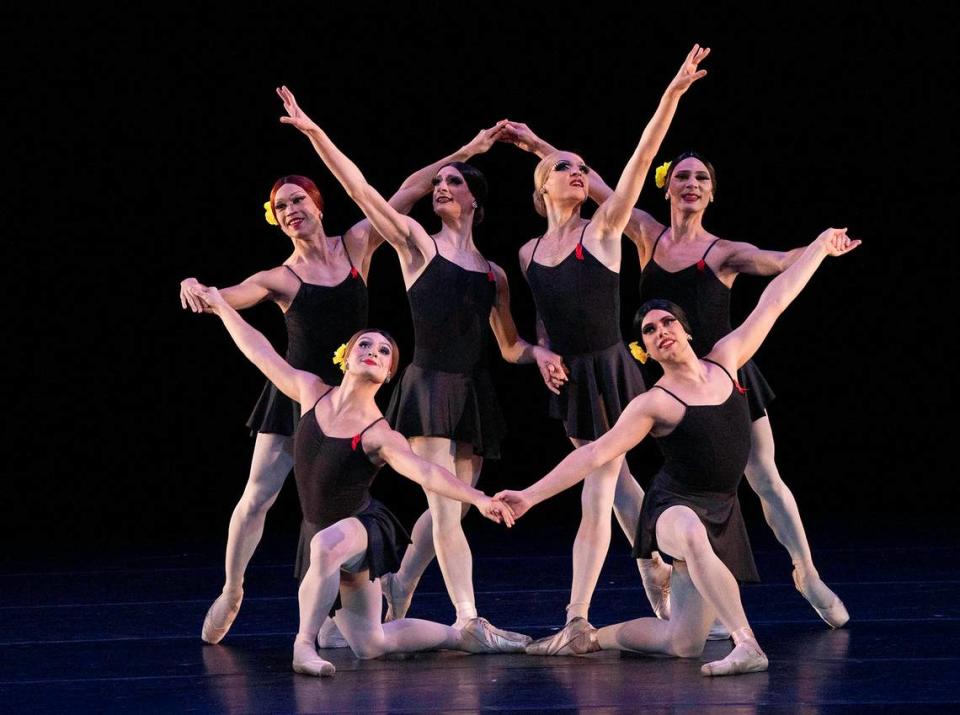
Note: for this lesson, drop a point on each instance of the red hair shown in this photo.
(303, 182)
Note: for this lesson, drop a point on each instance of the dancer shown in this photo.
(699, 415)
(573, 272)
(340, 444)
(691, 267)
(445, 402)
(321, 289)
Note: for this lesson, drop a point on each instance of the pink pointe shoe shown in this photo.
(746, 657)
(220, 616)
(835, 615)
(578, 637)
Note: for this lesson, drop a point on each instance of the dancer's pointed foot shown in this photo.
(825, 602)
(398, 600)
(480, 636)
(575, 638)
(330, 636)
(306, 660)
(220, 616)
(746, 657)
(655, 574)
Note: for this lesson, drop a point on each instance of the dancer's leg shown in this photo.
(783, 516)
(453, 551)
(360, 623)
(655, 573)
(336, 545)
(683, 635)
(272, 462)
(593, 537)
(681, 534)
(399, 587)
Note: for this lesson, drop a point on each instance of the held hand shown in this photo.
(481, 143)
(496, 511)
(518, 502)
(188, 298)
(295, 115)
(520, 135)
(210, 298)
(689, 73)
(552, 369)
(836, 242)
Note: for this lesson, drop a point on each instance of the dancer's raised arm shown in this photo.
(739, 346)
(612, 215)
(258, 350)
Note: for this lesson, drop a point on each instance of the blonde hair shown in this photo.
(540, 176)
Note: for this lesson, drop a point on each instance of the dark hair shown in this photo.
(659, 304)
(395, 361)
(476, 182)
(699, 157)
(303, 182)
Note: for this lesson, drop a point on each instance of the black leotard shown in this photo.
(333, 476)
(447, 391)
(578, 301)
(706, 301)
(319, 320)
(704, 459)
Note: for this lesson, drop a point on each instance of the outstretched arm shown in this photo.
(255, 289)
(291, 382)
(613, 214)
(747, 258)
(739, 346)
(400, 231)
(634, 425)
(392, 448)
(515, 349)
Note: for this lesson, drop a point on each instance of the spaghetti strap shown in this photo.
(672, 395)
(734, 380)
(321, 397)
(535, 247)
(580, 242)
(370, 425)
(293, 272)
(343, 242)
(436, 248)
(657, 242)
(709, 248)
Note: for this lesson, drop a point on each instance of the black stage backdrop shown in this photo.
(143, 146)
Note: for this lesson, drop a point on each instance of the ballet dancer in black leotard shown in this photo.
(454, 294)
(574, 275)
(321, 289)
(700, 417)
(340, 443)
(693, 268)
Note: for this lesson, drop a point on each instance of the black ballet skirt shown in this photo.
(319, 320)
(578, 301)
(447, 390)
(706, 301)
(704, 459)
(333, 476)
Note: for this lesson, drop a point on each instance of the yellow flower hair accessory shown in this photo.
(639, 354)
(340, 357)
(660, 176)
(268, 214)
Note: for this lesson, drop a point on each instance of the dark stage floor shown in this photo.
(122, 635)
